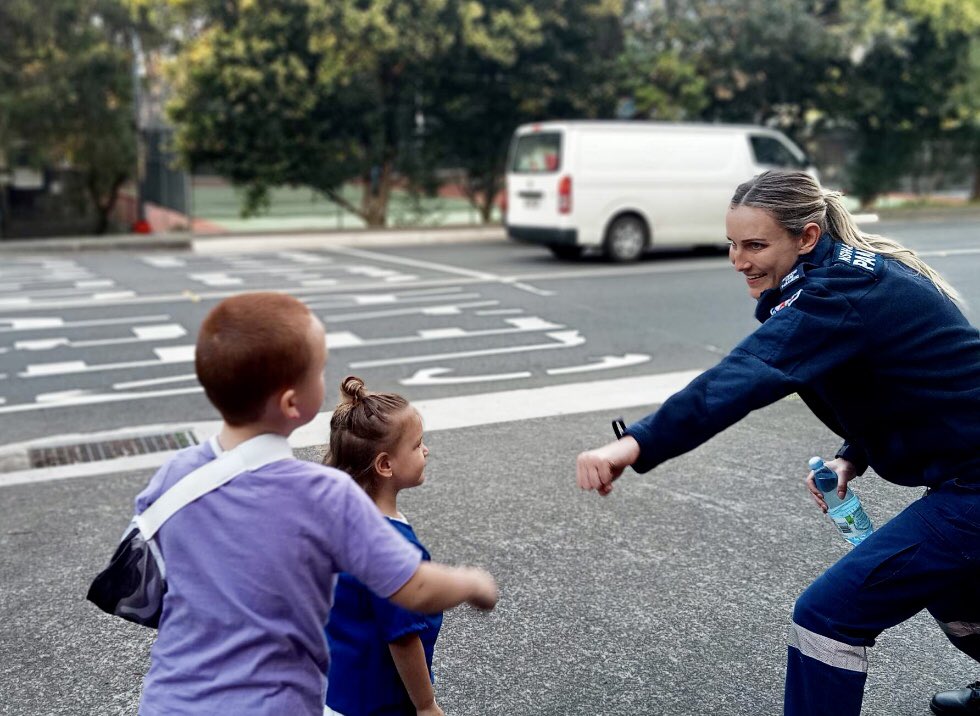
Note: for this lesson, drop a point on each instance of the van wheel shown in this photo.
(566, 252)
(626, 239)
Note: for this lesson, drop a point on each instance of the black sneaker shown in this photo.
(957, 701)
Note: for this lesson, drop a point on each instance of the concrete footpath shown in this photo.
(291, 240)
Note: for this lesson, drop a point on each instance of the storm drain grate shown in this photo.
(109, 449)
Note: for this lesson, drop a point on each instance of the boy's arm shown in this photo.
(409, 658)
(436, 587)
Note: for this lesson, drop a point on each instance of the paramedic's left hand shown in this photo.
(845, 473)
(431, 710)
(596, 469)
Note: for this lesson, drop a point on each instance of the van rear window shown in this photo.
(536, 153)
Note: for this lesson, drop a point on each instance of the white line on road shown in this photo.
(403, 261)
(162, 332)
(154, 381)
(438, 414)
(565, 339)
(166, 355)
(39, 324)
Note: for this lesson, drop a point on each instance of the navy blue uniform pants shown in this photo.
(927, 557)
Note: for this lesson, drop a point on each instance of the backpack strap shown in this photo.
(250, 455)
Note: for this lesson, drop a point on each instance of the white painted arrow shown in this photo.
(605, 363)
(431, 376)
(565, 339)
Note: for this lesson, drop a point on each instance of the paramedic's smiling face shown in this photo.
(762, 250)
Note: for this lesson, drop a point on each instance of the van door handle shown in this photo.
(530, 194)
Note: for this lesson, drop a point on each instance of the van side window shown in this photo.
(769, 150)
(534, 153)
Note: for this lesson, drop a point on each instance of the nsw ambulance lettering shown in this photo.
(866, 260)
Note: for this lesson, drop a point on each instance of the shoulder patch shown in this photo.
(792, 277)
(858, 258)
(788, 302)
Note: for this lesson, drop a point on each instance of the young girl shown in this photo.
(380, 653)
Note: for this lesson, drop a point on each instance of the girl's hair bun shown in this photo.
(352, 389)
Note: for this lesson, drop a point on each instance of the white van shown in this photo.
(624, 187)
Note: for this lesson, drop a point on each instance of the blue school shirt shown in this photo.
(363, 679)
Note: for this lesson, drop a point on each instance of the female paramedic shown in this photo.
(871, 339)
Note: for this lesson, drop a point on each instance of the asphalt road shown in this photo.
(671, 596)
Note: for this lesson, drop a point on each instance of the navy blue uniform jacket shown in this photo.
(873, 348)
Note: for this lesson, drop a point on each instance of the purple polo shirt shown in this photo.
(251, 568)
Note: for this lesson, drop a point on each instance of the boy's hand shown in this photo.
(596, 469)
(845, 473)
(484, 594)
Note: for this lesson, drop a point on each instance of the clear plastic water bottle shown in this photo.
(850, 518)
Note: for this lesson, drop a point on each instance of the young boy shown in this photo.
(251, 565)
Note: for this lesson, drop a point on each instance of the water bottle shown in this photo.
(850, 518)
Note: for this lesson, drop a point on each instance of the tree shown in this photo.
(66, 70)
(305, 92)
(906, 60)
(512, 63)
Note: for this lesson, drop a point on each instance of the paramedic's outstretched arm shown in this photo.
(596, 469)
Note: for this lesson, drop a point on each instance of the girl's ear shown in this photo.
(287, 404)
(382, 464)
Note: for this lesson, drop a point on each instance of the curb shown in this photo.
(264, 241)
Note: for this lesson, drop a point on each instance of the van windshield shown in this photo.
(536, 153)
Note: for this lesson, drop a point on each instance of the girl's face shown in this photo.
(408, 457)
(761, 249)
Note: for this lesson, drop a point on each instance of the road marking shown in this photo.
(565, 339)
(154, 381)
(500, 311)
(605, 363)
(943, 253)
(437, 376)
(92, 398)
(403, 261)
(216, 279)
(389, 298)
(38, 324)
(438, 414)
(162, 332)
(163, 261)
(166, 355)
(446, 309)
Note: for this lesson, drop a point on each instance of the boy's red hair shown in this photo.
(250, 347)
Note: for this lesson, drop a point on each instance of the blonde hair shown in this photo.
(795, 199)
(363, 425)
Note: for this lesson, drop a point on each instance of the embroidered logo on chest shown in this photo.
(788, 302)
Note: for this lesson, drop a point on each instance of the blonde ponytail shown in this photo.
(842, 227)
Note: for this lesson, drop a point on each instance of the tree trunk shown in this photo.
(104, 204)
(975, 192)
(489, 198)
(377, 192)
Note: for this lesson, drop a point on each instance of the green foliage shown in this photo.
(317, 92)
(66, 74)
(513, 63)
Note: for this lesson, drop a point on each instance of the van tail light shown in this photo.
(565, 195)
(502, 200)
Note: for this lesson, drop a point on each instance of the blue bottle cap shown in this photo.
(815, 463)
